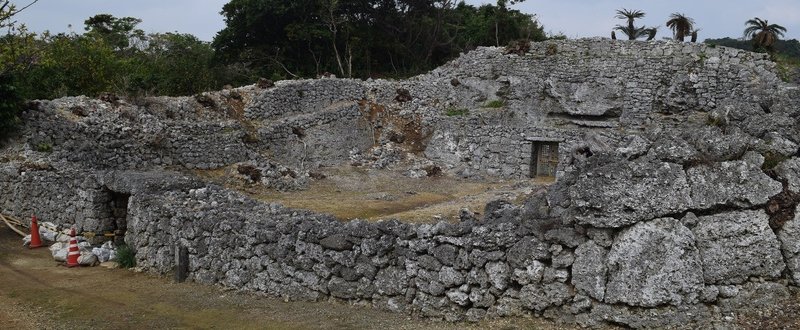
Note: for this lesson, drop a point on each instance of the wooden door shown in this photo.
(546, 159)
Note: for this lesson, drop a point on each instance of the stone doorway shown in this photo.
(118, 205)
(544, 159)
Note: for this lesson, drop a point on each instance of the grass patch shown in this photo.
(44, 147)
(126, 257)
(495, 104)
(787, 66)
(453, 112)
(772, 160)
(714, 121)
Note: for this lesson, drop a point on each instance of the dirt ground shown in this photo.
(37, 293)
(384, 194)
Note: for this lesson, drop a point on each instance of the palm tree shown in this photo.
(633, 34)
(763, 34)
(694, 35)
(651, 33)
(681, 25)
(630, 30)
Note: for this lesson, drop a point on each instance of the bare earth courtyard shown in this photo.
(362, 193)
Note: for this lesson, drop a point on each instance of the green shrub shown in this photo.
(9, 106)
(44, 147)
(772, 159)
(126, 257)
(496, 104)
(452, 112)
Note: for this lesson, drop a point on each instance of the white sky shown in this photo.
(574, 18)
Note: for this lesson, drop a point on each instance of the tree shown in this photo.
(15, 59)
(763, 34)
(364, 38)
(118, 32)
(9, 105)
(71, 64)
(8, 10)
(651, 33)
(172, 64)
(630, 29)
(681, 26)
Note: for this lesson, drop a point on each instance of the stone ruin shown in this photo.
(677, 173)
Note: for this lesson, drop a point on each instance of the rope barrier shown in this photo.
(15, 225)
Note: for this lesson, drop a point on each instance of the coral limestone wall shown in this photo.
(675, 202)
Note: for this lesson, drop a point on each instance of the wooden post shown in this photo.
(181, 263)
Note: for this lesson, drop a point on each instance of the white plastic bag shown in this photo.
(59, 251)
(106, 252)
(87, 259)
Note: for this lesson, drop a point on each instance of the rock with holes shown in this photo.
(541, 296)
(789, 171)
(589, 270)
(737, 245)
(654, 263)
(735, 183)
(615, 193)
(597, 98)
(789, 237)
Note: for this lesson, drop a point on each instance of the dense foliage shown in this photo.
(270, 38)
(93, 63)
(13, 58)
(763, 34)
(362, 38)
(9, 105)
(789, 48)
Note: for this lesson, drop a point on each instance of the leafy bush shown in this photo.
(126, 257)
(9, 106)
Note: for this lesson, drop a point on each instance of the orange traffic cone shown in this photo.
(36, 240)
(74, 253)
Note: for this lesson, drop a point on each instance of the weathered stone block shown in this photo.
(739, 183)
(654, 263)
(620, 193)
(589, 270)
(737, 245)
(541, 296)
(789, 236)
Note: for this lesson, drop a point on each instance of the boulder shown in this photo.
(737, 245)
(654, 263)
(538, 297)
(790, 172)
(589, 270)
(620, 193)
(789, 236)
(525, 251)
(391, 281)
(740, 183)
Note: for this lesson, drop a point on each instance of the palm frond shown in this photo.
(629, 14)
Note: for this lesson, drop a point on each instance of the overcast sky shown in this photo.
(574, 18)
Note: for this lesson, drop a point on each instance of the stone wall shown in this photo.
(101, 135)
(676, 199)
(661, 272)
(558, 89)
